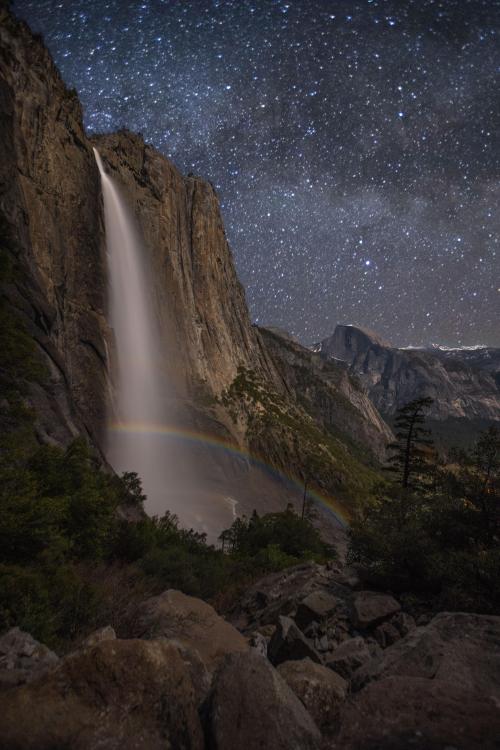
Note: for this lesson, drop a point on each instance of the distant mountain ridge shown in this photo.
(464, 383)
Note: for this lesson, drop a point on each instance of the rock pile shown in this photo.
(315, 664)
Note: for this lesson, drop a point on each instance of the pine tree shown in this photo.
(482, 480)
(412, 453)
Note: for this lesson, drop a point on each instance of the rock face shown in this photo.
(288, 643)
(22, 658)
(463, 383)
(51, 204)
(371, 608)
(200, 304)
(51, 200)
(252, 707)
(92, 699)
(422, 714)
(321, 690)
(192, 623)
(454, 647)
(330, 393)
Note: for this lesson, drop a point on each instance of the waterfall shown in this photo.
(142, 434)
(140, 392)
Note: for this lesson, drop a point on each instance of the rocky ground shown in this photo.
(304, 660)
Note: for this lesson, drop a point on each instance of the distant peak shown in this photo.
(374, 337)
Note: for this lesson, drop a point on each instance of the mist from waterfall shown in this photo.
(139, 392)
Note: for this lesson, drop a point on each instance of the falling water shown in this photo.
(140, 392)
(142, 401)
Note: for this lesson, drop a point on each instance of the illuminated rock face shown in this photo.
(52, 203)
(198, 299)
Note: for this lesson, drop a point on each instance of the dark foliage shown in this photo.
(59, 525)
(437, 541)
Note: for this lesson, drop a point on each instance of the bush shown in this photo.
(293, 537)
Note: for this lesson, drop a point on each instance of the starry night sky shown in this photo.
(354, 145)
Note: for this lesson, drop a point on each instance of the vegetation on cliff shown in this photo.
(280, 430)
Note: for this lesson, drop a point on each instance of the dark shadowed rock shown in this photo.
(403, 622)
(253, 708)
(386, 634)
(117, 695)
(437, 688)
(315, 607)
(106, 633)
(350, 655)
(193, 623)
(371, 608)
(421, 714)
(288, 643)
(280, 594)
(22, 658)
(51, 203)
(321, 690)
(454, 647)
(259, 643)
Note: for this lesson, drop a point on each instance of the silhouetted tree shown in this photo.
(412, 453)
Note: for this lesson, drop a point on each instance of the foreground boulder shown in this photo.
(253, 708)
(321, 690)
(371, 608)
(315, 607)
(22, 658)
(421, 714)
(117, 695)
(349, 656)
(386, 634)
(288, 643)
(191, 622)
(455, 647)
(437, 688)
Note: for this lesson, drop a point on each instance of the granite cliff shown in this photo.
(51, 207)
(464, 383)
(327, 390)
(51, 200)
